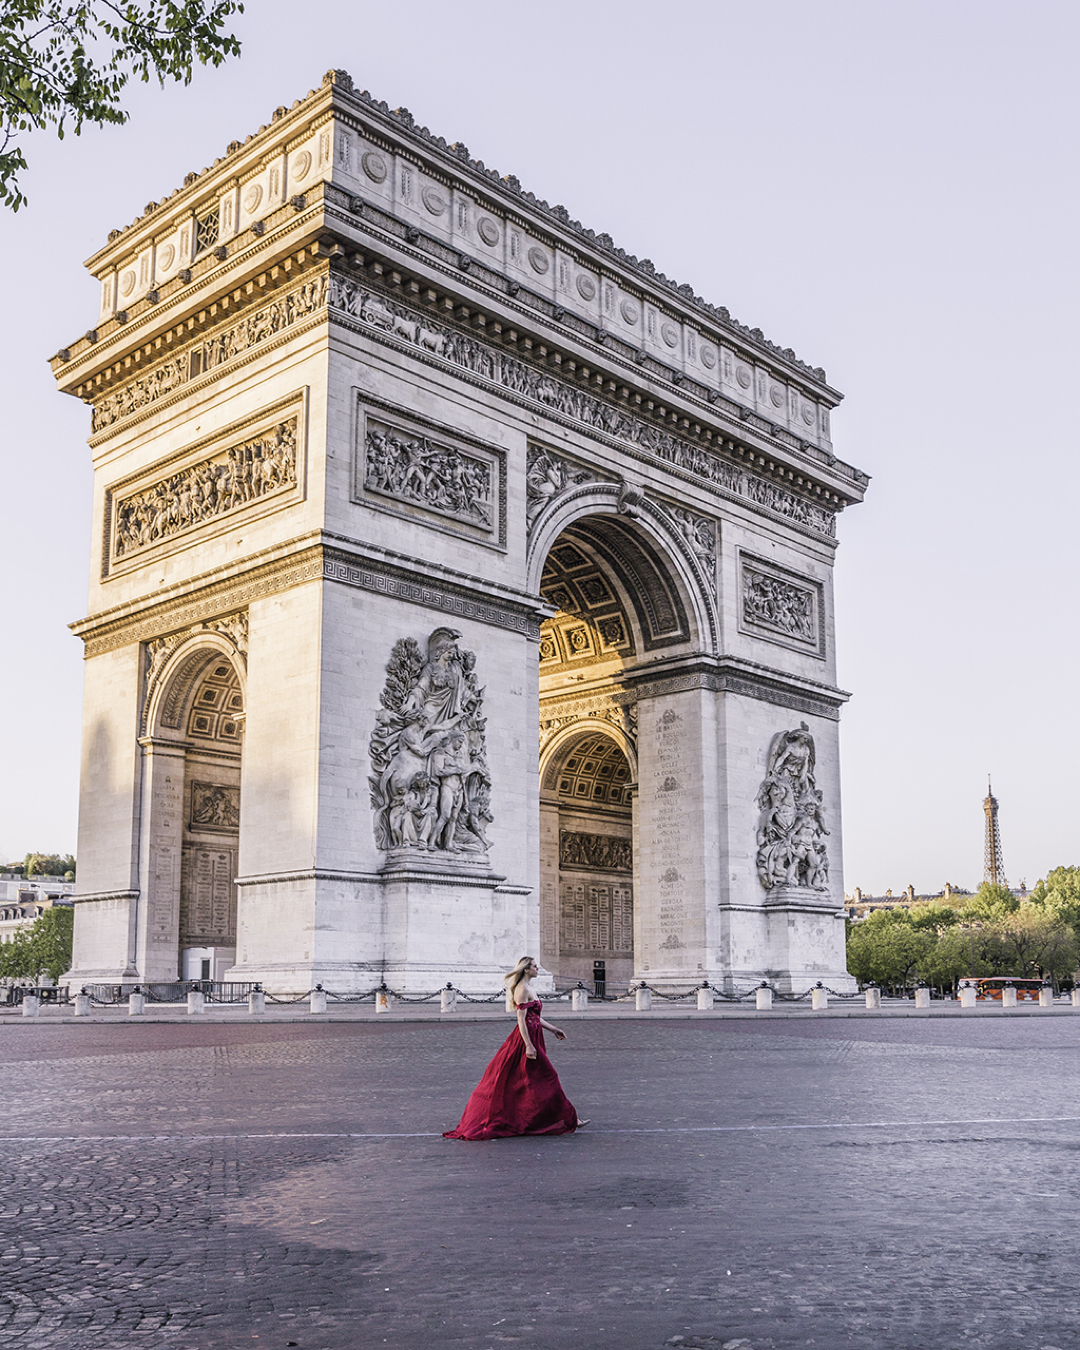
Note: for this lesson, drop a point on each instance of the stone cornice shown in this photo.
(312, 557)
(725, 674)
(338, 102)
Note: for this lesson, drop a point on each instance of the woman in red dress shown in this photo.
(520, 1091)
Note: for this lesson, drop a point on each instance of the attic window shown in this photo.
(206, 230)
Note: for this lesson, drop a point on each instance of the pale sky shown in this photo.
(890, 188)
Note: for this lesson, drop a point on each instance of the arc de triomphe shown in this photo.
(460, 587)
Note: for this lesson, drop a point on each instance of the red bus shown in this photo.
(990, 986)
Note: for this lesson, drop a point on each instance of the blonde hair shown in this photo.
(516, 977)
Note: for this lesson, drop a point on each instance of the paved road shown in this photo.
(754, 1185)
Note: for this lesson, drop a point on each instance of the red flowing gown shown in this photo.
(518, 1095)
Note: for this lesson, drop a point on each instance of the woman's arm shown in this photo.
(555, 1031)
(530, 1049)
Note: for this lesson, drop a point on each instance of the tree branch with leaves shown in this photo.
(65, 65)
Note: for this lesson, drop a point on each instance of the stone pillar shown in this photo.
(968, 994)
(136, 1003)
(705, 999)
(448, 999)
(764, 998)
(643, 999)
(317, 1001)
(196, 1001)
(873, 997)
(579, 999)
(1076, 998)
(922, 998)
(82, 1005)
(677, 836)
(383, 1002)
(257, 1002)
(1008, 997)
(1046, 996)
(819, 999)
(31, 1005)
(157, 947)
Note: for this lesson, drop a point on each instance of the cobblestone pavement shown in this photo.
(744, 1185)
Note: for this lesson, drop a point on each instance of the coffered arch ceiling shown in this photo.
(614, 601)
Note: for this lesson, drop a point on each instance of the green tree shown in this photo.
(1060, 894)
(48, 865)
(887, 947)
(42, 948)
(991, 901)
(65, 63)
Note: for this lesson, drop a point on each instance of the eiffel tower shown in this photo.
(993, 864)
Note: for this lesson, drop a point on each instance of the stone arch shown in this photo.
(653, 541)
(587, 790)
(192, 747)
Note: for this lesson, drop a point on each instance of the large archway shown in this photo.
(631, 597)
(193, 755)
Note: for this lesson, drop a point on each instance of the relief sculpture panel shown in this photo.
(438, 477)
(223, 482)
(791, 828)
(430, 786)
(780, 606)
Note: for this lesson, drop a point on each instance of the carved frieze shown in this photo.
(210, 354)
(595, 852)
(416, 469)
(537, 386)
(215, 808)
(791, 828)
(779, 605)
(430, 786)
(199, 492)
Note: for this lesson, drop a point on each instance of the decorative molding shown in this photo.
(781, 606)
(401, 326)
(409, 585)
(619, 709)
(210, 356)
(93, 897)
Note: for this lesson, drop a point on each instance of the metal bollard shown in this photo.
(922, 998)
(31, 1005)
(196, 1001)
(383, 1002)
(705, 999)
(256, 1002)
(136, 1003)
(967, 995)
(579, 998)
(643, 998)
(819, 997)
(764, 998)
(1046, 996)
(317, 1003)
(82, 1004)
(448, 999)
(1008, 996)
(873, 996)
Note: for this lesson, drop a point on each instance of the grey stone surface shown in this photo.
(749, 1184)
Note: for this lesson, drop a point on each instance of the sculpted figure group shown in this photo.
(430, 788)
(205, 490)
(791, 827)
(416, 469)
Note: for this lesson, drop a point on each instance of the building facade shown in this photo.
(460, 587)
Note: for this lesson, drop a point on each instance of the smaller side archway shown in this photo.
(190, 818)
(587, 793)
